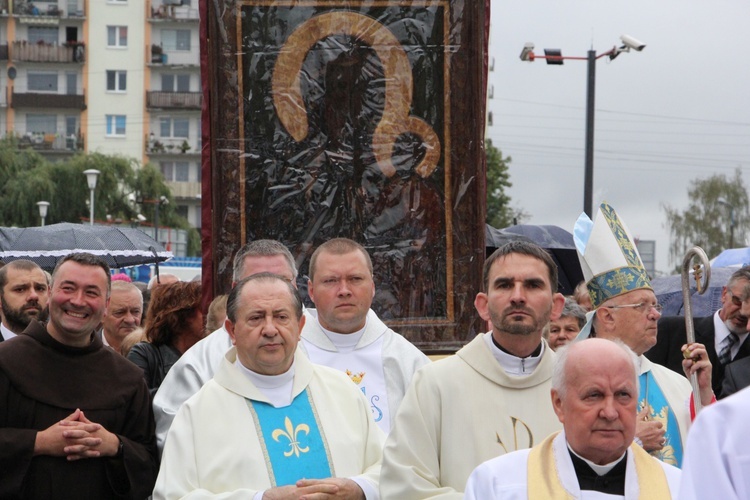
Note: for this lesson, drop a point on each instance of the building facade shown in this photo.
(110, 76)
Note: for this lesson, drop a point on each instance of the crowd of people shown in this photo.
(113, 391)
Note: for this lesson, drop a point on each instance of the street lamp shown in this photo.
(724, 202)
(43, 206)
(555, 57)
(162, 200)
(91, 176)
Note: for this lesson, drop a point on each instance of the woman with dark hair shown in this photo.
(174, 323)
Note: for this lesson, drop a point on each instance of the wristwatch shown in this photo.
(120, 448)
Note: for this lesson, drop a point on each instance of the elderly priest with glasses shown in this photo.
(625, 308)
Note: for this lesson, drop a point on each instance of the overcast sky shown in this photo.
(677, 111)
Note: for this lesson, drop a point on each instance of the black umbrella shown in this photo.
(45, 245)
(556, 240)
(668, 290)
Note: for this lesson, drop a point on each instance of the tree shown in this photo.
(499, 212)
(707, 222)
(26, 178)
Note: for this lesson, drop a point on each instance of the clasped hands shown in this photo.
(76, 437)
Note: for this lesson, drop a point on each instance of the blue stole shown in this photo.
(652, 395)
(293, 446)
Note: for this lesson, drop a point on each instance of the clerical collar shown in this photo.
(344, 342)
(513, 365)
(277, 388)
(608, 478)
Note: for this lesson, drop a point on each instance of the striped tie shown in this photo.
(725, 356)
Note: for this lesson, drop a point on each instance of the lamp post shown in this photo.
(555, 57)
(162, 200)
(43, 206)
(91, 176)
(724, 202)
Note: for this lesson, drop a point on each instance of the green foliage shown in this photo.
(26, 178)
(499, 212)
(707, 221)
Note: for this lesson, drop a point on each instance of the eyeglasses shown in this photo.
(643, 307)
(735, 300)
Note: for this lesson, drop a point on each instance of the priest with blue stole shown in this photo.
(270, 424)
(625, 308)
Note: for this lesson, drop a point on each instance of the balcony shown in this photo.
(174, 100)
(185, 190)
(38, 14)
(51, 142)
(51, 101)
(172, 11)
(164, 146)
(73, 52)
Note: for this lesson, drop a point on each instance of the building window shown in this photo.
(43, 34)
(115, 125)
(175, 83)
(174, 127)
(41, 124)
(175, 171)
(116, 80)
(117, 36)
(42, 82)
(175, 39)
(182, 211)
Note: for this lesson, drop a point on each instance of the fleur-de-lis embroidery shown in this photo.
(292, 433)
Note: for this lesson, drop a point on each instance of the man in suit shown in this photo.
(724, 334)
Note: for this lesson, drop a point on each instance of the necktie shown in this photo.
(725, 356)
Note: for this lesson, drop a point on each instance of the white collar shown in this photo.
(513, 365)
(721, 332)
(6, 333)
(344, 342)
(599, 469)
(277, 388)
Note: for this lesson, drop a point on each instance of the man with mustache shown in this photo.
(24, 292)
(595, 395)
(492, 396)
(724, 333)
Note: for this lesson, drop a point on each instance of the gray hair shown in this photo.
(559, 371)
(233, 301)
(261, 248)
(742, 273)
(571, 309)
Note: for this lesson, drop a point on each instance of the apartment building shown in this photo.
(110, 76)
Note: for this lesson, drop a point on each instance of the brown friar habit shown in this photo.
(43, 381)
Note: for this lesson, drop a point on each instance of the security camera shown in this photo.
(632, 43)
(527, 54)
(140, 217)
(164, 200)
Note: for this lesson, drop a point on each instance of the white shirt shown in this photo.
(721, 332)
(7, 334)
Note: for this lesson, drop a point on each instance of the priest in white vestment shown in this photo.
(595, 396)
(492, 396)
(342, 331)
(717, 459)
(625, 308)
(270, 422)
(199, 363)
